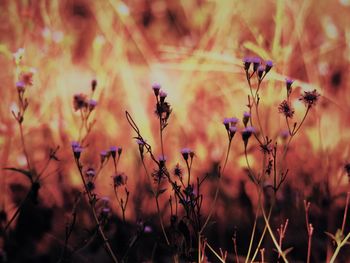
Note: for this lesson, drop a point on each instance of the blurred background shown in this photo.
(194, 49)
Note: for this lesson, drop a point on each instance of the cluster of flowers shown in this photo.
(81, 101)
(231, 127)
(258, 67)
(309, 98)
(163, 109)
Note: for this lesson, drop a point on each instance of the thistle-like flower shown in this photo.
(310, 98)
(286, 109)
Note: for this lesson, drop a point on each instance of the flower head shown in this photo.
(27, 78)
(185, 153)
(246, 62)
(178, 171)
(103, 155)
(246, 117)
(310, 98)
(246, 133)
(256, 63)
(77, 151)
(289, 83)
(261, 70)
(90, 172)
(286, 109)
(20, 85)
(268, 66)
(93, 85)
(156, 87)
(79, 101)
(119, 179)
(92, 104)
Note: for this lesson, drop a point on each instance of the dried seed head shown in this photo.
(310, 98)
(93, 85)
(286, 109)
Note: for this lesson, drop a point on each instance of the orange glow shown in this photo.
(194, 49)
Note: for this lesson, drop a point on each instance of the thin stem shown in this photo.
(24, 146)
(262, 235)
(161, 222)
(97, 221)
(217, 189)
(273, 236)
(215, 253)
(345, 212)
(336, 252)
(156, 199)
(252, 237)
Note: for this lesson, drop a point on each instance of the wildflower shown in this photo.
(256, 63)
(261, 70)
(233, 121)
(284, 135)
(156, 87)
(113, 151)
(162, 96)
(246, 62)
(20, 85)
(147, 229)
(103, 155)
(232, 132)
(27, 78)
(246, 133)
(77, 149)
(162, 160)
(79, 101)
(309, 98)
(90, 172)
(226, 122)
(75, 144)
(120, 149)
(92, 104)
(141, 144)
(286, 109)
(90, 186)
(269, 65)
(178, 171)
(246, 117)
(185, 153)
(163, 110)
(93, 85)
(105, 201)
(289, 83)
(105, 212)
(120, 179)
